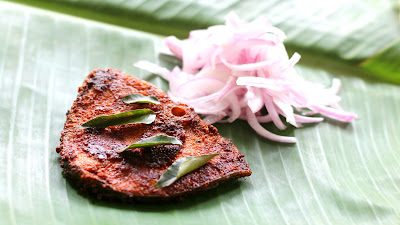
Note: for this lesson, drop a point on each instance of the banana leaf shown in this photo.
(336, 174)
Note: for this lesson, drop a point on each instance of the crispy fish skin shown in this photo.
(90, 161)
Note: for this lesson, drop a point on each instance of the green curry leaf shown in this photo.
(139, 98)
(145, 116)
(181, 167)
(154, 141)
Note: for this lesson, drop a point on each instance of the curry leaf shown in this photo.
(181, 167)
(154, 141)
(145, 116)
(139, 98)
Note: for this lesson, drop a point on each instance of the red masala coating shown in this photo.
(89, 156)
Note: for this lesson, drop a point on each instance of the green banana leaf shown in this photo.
(336, 174)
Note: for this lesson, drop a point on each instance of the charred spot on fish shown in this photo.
(172, 128)
(212, 129)
(153, 157)
(89, 85)
(94, 130)
(241, 158)
(100, 81)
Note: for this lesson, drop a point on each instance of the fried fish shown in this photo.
(90, 158)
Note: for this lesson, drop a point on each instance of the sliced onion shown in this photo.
(335, 113)
(153, 68)
(287, 111)
(213, 118)
(254, 99)
(252, 120)
(264, 119)
(241, 70)
(235, 110)
(174, 45)
(306, 119)
(246, 67)
(261, 82)
(272, 112)
(198, 87)
(336, 85)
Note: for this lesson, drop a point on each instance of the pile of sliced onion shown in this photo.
(236, 70)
